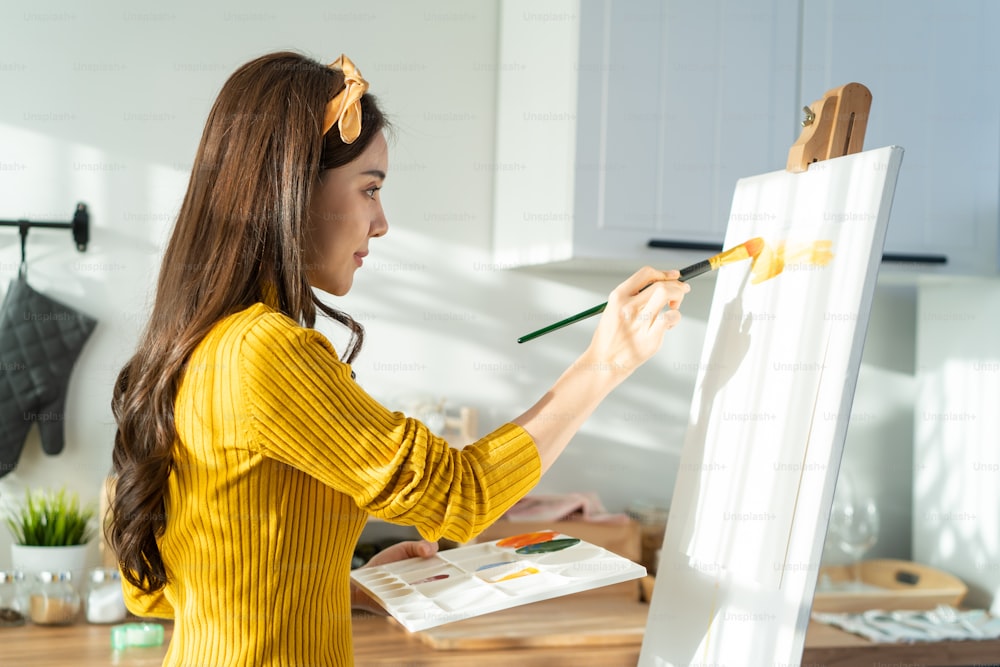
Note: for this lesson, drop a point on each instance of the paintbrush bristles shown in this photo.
(749, 249)
(755, 246)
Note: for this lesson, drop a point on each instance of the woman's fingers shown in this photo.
(639, 312)
(647, 292)
(642, 279)
(402, 551)
(668, 319)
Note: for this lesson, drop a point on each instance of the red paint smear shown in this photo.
(436, 577)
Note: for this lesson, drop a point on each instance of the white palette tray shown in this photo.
(478, 579)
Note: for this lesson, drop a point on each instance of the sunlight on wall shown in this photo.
(957, 484)
(111, 281)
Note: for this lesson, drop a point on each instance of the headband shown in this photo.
(345, 107)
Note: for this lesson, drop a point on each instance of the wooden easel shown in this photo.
(834, 127)
(738, 567)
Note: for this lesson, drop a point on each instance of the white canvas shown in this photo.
(769, 416)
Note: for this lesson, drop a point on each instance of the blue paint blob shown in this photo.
(489, 565)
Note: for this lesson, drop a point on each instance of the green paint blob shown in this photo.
(548, 547)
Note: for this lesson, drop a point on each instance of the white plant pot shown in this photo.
(32, 560)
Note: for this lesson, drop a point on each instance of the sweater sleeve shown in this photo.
(146, 605)
(307, 412)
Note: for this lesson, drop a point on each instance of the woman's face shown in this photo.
(346, 211)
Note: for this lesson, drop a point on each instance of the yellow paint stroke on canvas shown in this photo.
(772, 260)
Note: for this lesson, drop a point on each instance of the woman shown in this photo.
(247, 458)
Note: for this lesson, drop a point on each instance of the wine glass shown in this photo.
(854, 525)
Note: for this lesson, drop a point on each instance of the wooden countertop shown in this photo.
(379, 642)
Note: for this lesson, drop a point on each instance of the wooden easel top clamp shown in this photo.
(833, 127)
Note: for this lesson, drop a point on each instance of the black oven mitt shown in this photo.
(40, 340)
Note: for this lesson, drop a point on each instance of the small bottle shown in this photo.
(54, 601)
(136, 635)
(13, 602)
(104, 602)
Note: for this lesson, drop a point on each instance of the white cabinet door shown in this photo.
(934, 72)
(687, 97)
(537, 109)
(667, 103)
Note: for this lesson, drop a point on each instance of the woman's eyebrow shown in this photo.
(378, 173)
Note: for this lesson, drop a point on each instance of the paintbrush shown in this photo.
(747, 250)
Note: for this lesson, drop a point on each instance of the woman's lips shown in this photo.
(359, 257)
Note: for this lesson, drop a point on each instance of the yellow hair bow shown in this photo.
(345, 107)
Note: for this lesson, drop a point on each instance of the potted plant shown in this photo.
(51, 531)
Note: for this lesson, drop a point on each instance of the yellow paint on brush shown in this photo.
(772, 260)
(749, 249)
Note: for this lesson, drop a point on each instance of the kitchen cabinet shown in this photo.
(933, 69)
(621, 122)
(624, 122)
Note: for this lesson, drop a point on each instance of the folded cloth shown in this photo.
(561, 507)
(940, 624)
(40, 340)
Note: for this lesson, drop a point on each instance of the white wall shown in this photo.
(104, 103)
(956, 490)
(878, 453)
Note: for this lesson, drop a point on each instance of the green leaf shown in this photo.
(51, 519)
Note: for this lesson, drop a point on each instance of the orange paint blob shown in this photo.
(772, 260)
(517, 541)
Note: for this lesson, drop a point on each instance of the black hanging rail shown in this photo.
(80, 226)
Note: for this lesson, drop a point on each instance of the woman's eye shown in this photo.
(371, 191)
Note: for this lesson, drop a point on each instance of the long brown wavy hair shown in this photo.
(238, 240)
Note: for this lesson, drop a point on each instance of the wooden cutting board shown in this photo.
(584, 619)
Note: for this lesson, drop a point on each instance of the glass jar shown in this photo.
(54, 600)
(103, 601)
(652, 520)
(13, 600)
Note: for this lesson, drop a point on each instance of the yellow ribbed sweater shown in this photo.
(279, 459)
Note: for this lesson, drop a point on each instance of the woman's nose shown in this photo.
(380, 225)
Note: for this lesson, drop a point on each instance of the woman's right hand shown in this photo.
(639, 312)
(630, 331)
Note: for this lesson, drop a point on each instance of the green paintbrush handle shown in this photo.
(687, 273)
(596, 310)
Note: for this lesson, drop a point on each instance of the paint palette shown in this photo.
(478, 579)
